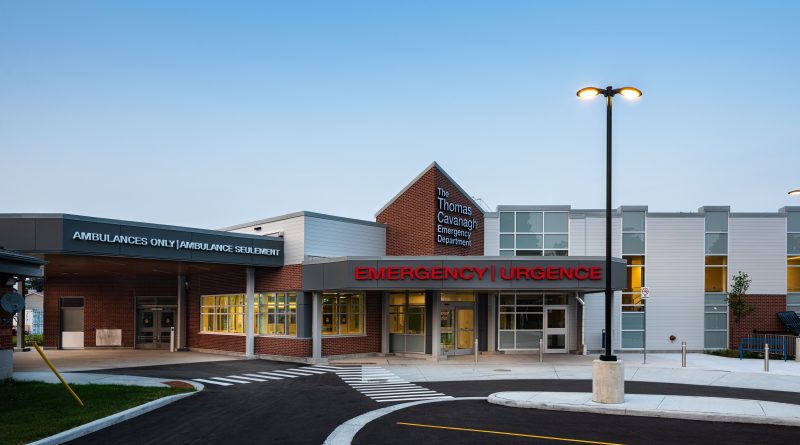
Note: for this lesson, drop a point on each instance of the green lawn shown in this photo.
(33, 410)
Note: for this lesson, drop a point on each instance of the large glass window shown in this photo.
(715, 314)
(276, 313)
(632, 306)
(223, 314)
(544, 233)
(342, 313)
(793, 302)
(407, 313)
(520, 318)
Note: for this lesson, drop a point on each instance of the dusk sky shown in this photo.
(209, 114)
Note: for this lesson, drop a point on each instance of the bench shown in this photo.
(776, 346)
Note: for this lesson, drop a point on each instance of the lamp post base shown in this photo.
(608, 381)
(608, 358)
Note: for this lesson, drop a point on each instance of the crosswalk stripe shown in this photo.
(247, 378)
(393, 385)
(284, 374)
(259, 376)
(299, 373)
(213, 382)
(225, 379)
(326, 368)
(313, 371)
(414, 398)
(378, 394)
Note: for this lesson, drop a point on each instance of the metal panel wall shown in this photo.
(293, 236)
(577, 236)
(331, 238)
(594, 312)
(757, 246)
(674, 271)
(491, 235)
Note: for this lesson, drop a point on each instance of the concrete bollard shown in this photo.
(476, 350)
(172, 339)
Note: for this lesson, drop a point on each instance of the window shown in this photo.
(793, 252)
(715, 314)
(342, 313)
(407, 313)
(521, 318)
(542, 233)
(715, 319)
(632, 307)
(793, 302)
(276, 313)
(223, 314)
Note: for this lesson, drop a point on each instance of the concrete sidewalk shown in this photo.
(702, 369)
(97, 379)
(96, 359)
(676, 407)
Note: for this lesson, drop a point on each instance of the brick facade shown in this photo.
(362, 344)
(219, 283)
(762, 319)
(287, 278)
(109, 302)
(411, 218)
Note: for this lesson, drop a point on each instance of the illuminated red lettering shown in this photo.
(581, 273)
(566, 272)
(504, 276)
(422, 273)
(480, 272)
(450, 273)
(393, 274)
(595, 273)
(537, 273)
(406, 272)
(467, 273)
(521, 272)
(361, 273)
(436, 273)
(552, 273)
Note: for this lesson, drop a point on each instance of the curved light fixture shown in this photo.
(588, 92)
(795, 192)
(630, 92)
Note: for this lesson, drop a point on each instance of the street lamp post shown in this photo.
(607, 382)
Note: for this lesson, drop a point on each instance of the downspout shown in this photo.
(583, 325)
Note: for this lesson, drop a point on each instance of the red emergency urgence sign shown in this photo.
(468, 273)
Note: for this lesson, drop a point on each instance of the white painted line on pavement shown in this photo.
(213, 382)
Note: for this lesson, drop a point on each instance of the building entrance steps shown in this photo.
(715, 409)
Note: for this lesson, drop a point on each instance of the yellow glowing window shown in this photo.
(636, 260)
(793, 279)
(716, 260)
(635, 279)
(716, 279)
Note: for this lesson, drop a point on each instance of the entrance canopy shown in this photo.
(81, 235)
(463, 272)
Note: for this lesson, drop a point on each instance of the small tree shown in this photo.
(738, 290)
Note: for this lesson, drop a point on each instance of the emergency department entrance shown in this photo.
(457, 317)
(155, 318)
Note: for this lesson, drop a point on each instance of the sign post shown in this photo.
(645, 295)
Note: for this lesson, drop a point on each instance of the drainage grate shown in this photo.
(502, 370)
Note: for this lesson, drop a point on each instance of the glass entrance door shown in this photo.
(154, 318)
(457, 328)
(555, 329)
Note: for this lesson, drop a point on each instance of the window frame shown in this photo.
(337, 313)
(286, 312)
(227, 313)
(543, 234)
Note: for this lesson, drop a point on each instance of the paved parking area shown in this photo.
(95, 359)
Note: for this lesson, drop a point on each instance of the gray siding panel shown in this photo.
(491, 236)
(674, 271)
(329, 238)
(594, 312)
(293, 236)
(757, 246)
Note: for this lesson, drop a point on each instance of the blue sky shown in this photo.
(209, 114)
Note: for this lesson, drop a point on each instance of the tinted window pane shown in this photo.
(793, 279)
(506, 253)
(793, 244)
(529, 253)
(529, 321)
(556, 222)
(506, 340)
(633, 339)
(716, 340)
(793, 299)
(633, 320)
(715, 299)
(715, 279)
(506, 221)
(529, 241)
(716, 221)
(633, 221)
(716, 321)
(717, 243)
(793, 222)
(506, 241)
(555, 242)
(529, 222)
(528, 340)
(633, 243)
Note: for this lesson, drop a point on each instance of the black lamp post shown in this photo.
(608, 92)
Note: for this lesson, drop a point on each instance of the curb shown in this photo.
(105, 422)
(344, 433)
(622, 411)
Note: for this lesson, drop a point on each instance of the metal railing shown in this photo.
(777, 339)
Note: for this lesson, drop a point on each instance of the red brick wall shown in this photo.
(108, 303)
(219, 283)
(763, 318)
(371, 342)
(293, 347)
(411, 219)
